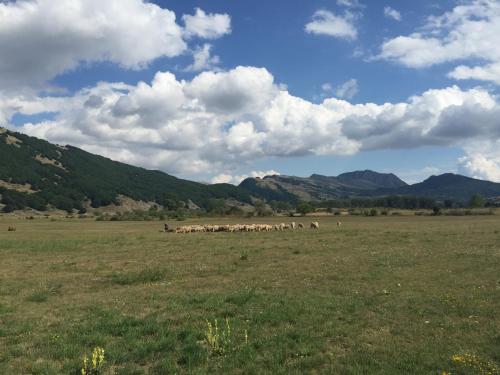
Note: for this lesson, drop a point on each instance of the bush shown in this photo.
(304, 208)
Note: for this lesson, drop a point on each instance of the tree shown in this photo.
(216, 206)
(477, 201)
(304, 208)
(261, 209)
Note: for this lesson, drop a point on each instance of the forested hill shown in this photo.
(369, 184)
(37, 174)
(40, 175)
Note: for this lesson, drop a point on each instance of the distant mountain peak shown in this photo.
(371, 178)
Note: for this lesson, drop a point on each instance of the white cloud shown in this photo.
(349, 3)
(482, 159)
(489, 72)
(222, 179)
(327, 87)
(241, 90)
(392, 13)
(468, 32)
(225, 178)
(41, 39)
(347, 90)
(327, 23)
(203, 59)
(481, 167)
(206, 25)
(221, 121)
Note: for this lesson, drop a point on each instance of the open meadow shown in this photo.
(381, 295)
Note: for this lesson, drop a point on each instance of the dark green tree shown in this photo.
(304, 208)
(477, 201)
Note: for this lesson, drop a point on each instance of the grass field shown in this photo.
(384, 295)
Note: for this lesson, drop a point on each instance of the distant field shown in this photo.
(381, 295)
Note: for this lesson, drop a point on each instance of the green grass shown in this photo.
(384, 295)
(148, 275)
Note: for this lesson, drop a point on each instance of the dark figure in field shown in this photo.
(11, 229)
(168, 229)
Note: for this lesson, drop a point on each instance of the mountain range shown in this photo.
(447, 186)
(37, 174)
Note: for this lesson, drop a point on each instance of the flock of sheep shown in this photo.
(240, 227)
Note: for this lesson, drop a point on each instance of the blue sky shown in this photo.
(323, 86)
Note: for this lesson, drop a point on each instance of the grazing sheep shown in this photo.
(314, 225)
(235, 228)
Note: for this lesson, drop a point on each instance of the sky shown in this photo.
(219, 90)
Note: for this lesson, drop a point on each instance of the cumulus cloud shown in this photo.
(392, 13)
(347, 90)
(468, 32)
(203, 59)
(324, 22)
(240, 90)
(41, 39)
(225, 178)
(206, 25)
(489, 72)
(482, 159)
(221, 121)
(481, 167)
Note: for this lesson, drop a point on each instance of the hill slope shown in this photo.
(318, 187)
(35, 173)
(448, 186)
(371, 180)
(368, 184)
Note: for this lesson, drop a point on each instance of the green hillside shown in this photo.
(448, 186)
(40, 175)
(369, 184)
(37, 174)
